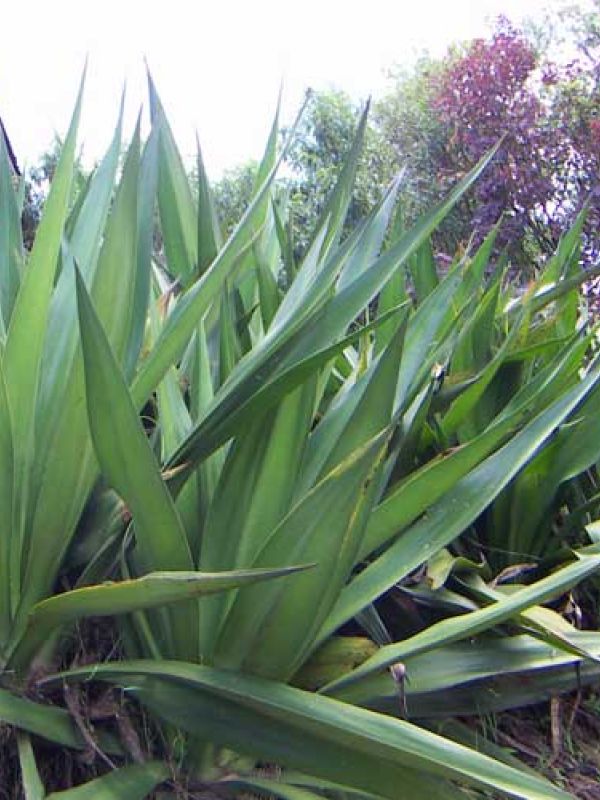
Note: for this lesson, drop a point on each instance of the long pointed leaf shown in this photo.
(316, 734)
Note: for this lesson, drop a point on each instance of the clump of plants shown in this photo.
(318, 512)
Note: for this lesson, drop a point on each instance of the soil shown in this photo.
(561, 739)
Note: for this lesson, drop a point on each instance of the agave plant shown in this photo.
(302, 454)
(291, 436)
(47, 457)
(489, 371)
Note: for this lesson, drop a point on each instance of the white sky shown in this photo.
(217, 65)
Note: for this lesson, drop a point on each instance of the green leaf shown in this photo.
(151, 591)
(328, 739)
(272, 788)
(333, 214)
(489, 673)
(355, 416)
(427, 328)
(469, 408)
(267, 288)
(201, 396)
(248, 394)
(192, 306)
(9, 586)
(123, 449)
(320, 327)
(549, 294)
(178, 213)
(447, 518)
(134, 782)
(32, 783)
(128, 463)
(468, 625)
(271, 632)
(148, 179)
(25, 339)
(209, 231)
(253, 495)
(423, 270)
(410, 498)
(229, 346)
(65, 468)
(541, 622)
(49, 722)
(11, 242)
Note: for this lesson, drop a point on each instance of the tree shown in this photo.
(233, 192)
(409, 124)
(439, 118)
(312, 166)
(37, 182)
(442, 116)
(575, 110)
(324, 137)
(488, 90)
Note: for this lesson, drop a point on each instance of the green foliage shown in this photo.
(36, 182)
(406, 121)
(312, 167)
(233, 192)
(321, 145)
(440, 115)
(307, 447)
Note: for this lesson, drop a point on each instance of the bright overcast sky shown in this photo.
(217, 65)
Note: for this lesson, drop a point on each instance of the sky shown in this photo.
(218, 66)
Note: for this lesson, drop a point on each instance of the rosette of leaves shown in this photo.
(286, 439)
(288, 426)
(48, 463)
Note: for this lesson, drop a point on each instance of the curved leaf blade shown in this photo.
(329, 739)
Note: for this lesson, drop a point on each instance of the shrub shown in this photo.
(304, 452)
